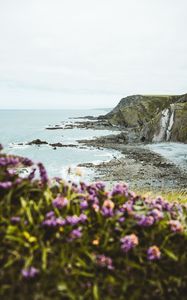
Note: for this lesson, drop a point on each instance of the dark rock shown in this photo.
(37, 142)
(56, 145)
(54, 128)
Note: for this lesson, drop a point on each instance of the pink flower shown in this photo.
(175, 226)
(153, 253)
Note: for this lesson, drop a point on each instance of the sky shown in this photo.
(90, 53)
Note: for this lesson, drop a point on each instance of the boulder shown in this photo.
(37, 142)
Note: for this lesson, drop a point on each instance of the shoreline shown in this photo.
(141, 167)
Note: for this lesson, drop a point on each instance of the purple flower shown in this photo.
(153, 253)
(32, 174)
(60, 202)
(127, 207)
(121, 220)
(83, 204)
(100, 185)
(107, 212)
(9, 161)
(51, 222)
(75, 234)
(104, 261)
(175, 226)
(145, 221)
(50, 214)
(157, 214)
(11, 172)
(128, 242)
(15, 219)
(120, 189)
(43, 173)
(60, 221)
(26, 162)
(18, 181)
(5, 185)
(83, 218)
(29, 272)
(72, 220)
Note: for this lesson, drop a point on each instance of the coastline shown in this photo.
(139, 166)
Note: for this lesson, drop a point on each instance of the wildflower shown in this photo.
(5, 185)
(153, 253)
(26, 162)
(120, 189)
(127, 207)
(50, 214)
(175, 226)
(72, 220)
(9, 161)
(121, 219)
(60, 202)
(11, 172)
(30, 272)
(95, 242)
(107, 212)
(104, 261)
(95, 207)
(146, 221)
(51, 222)
(108, 204)
(129, 242)
(32, 174)
(43, 173)
(83, 218)
(75, 234)
(157, 214)
(100, 185)
(15, 220)
(84, 205)
(60, 221)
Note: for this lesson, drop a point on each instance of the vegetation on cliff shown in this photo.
(81, 241)
(156, 118)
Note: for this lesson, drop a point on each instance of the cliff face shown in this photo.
(156, 118)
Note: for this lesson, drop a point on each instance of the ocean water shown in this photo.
(21, 126)
(175, 152)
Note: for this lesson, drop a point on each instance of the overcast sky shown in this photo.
(90, 53)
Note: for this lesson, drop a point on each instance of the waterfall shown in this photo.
(166, 124)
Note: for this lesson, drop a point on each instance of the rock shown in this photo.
(37, 142)
(54, 128)
(168, 125)
(56, 145)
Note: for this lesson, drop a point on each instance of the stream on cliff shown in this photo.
(175, 152)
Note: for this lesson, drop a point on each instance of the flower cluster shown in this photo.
(153, 253)
(129, 242)
(67, 239)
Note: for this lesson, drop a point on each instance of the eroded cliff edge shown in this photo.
(154, 118)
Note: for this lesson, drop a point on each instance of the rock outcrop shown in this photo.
(155, 118)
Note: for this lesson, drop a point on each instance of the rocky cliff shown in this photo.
(156, 118)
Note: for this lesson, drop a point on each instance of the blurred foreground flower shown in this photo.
(153, 253)
(128, 242)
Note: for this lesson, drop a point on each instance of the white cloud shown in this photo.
(61, 53)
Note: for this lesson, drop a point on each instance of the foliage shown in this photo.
(77, 241)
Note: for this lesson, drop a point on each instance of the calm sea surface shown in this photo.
(20, 126)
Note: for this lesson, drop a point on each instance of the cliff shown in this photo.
(156, 118)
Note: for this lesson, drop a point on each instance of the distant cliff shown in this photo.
(156, 118)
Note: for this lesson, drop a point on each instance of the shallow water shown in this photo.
(175, 152)
(20, 126)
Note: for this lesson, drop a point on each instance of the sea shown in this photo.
(22, 126)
